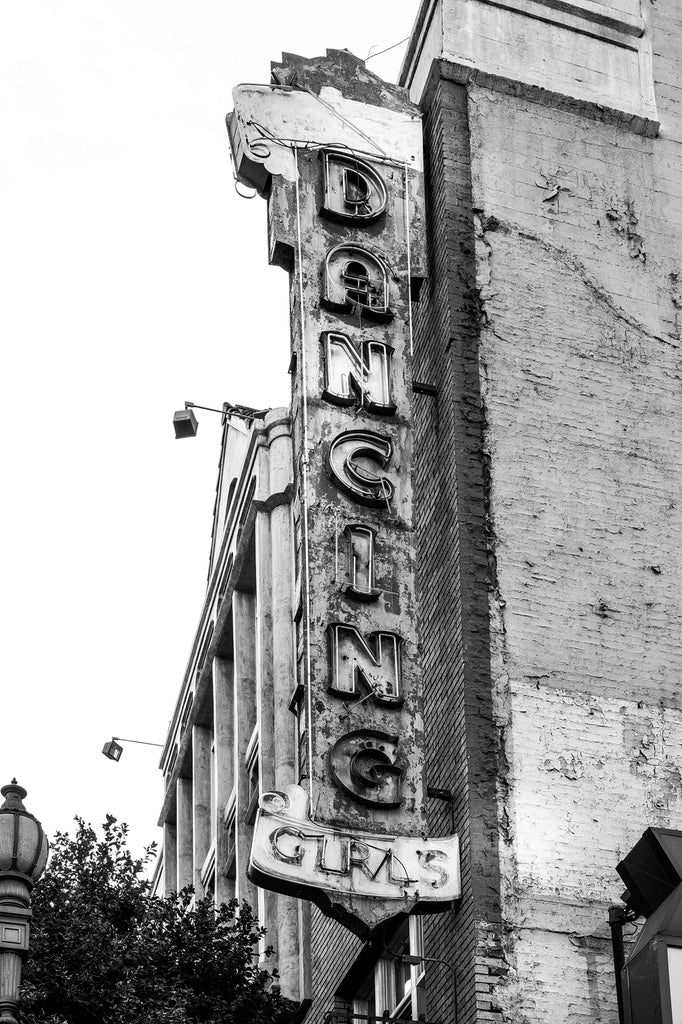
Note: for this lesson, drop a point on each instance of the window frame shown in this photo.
(252, 765)
(379, 994)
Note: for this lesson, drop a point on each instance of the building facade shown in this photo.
(508, 323)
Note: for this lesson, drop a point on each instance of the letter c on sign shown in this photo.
(350, 460)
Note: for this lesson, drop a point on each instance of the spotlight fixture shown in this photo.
(649, 982)
(113, 750)
(186, 424)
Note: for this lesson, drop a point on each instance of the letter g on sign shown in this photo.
(363, 765)
(282, 846)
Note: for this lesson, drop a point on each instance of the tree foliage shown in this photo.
(104, 951)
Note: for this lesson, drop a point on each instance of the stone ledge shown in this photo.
(512, 87)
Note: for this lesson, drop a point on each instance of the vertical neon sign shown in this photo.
(348, 225)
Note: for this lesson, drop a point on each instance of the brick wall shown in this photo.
(455, 570)
(578, 229)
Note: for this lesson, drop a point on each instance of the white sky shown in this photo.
(132, 278)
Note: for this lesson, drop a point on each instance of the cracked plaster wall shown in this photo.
(578, 255)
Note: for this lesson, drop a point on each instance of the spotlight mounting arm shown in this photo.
(144, 743)
(230, 410)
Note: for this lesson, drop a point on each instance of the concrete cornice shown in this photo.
(587, 10)
(574, 54)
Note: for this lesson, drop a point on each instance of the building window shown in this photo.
(299, 710)
(225, 580)
(406, 984)
(208, 874)
(230, 820)
(364, 1004)
(395, 989)
(172, 761)
(204, 650)
(252, 762)
(302, 739)
(186, 711)
(230, 496)
(212, 782)
(262, 942)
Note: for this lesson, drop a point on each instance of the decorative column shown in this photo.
(223, 725)
(23, 855)
(184, 833)
(201, 802)
(170, 859)
(244, 705)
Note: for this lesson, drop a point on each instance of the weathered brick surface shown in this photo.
(549, 474)
(578, 256)
(547, 485)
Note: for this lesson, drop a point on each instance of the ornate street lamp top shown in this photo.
(23, 843)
